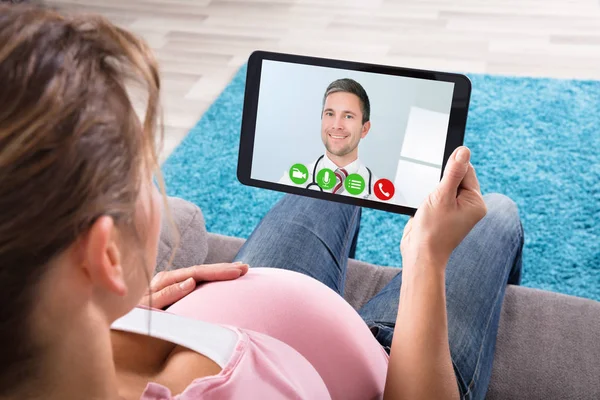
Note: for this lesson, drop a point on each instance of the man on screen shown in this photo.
(345, 120)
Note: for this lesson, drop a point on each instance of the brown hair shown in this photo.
(71, 150)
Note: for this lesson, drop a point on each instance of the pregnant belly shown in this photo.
(306, 315)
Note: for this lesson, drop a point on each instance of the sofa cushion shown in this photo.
(191, 247)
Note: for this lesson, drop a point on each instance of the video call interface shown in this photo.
(373, 136)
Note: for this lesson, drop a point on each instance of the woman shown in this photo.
(79, 230)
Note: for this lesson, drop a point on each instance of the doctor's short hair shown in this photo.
(348, 85)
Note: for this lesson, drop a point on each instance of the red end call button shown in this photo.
(384, 189)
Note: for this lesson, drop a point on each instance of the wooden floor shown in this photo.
(201, 43)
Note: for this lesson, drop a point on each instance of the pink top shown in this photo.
(260, 367)
(297, 339)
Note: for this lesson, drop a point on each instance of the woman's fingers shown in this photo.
(220, 272)
(470, 181)
(210, 272)
(454, 173)
(167, 287)
(170, 294)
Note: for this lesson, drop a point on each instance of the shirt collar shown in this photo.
(351, 168)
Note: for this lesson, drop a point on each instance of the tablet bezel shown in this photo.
(454, 138)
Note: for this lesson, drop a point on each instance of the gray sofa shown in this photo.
(548, 343)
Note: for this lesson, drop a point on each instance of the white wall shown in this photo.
(416, 181)
(424, 138)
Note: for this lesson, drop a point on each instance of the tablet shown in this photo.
(370, 135)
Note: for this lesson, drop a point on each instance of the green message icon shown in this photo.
(326, 179)
(298, 174)
(354, 184)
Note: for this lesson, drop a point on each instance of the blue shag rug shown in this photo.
(535, 140)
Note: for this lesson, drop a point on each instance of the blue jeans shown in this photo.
(316, 237)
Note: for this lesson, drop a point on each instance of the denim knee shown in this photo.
(501, 204)
(504, 213)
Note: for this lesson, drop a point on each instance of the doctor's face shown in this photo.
(341, 123)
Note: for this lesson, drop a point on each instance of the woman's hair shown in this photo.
(72, 149)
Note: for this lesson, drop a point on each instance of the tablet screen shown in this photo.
(373, 136)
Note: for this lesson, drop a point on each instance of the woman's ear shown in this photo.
(102, 258)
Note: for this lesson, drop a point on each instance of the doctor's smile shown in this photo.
(338, 136)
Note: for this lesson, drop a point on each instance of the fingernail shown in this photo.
(238, 262)
(154, 281)
(462, 156)
(187, 284)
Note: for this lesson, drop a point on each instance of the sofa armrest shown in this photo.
(548, 347)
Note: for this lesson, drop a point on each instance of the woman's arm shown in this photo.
(420, 364)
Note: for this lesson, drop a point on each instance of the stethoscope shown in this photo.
(314, 179)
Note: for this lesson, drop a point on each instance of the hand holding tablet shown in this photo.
(362, 134)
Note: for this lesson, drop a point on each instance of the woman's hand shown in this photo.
(167, 287)
(447, 215)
